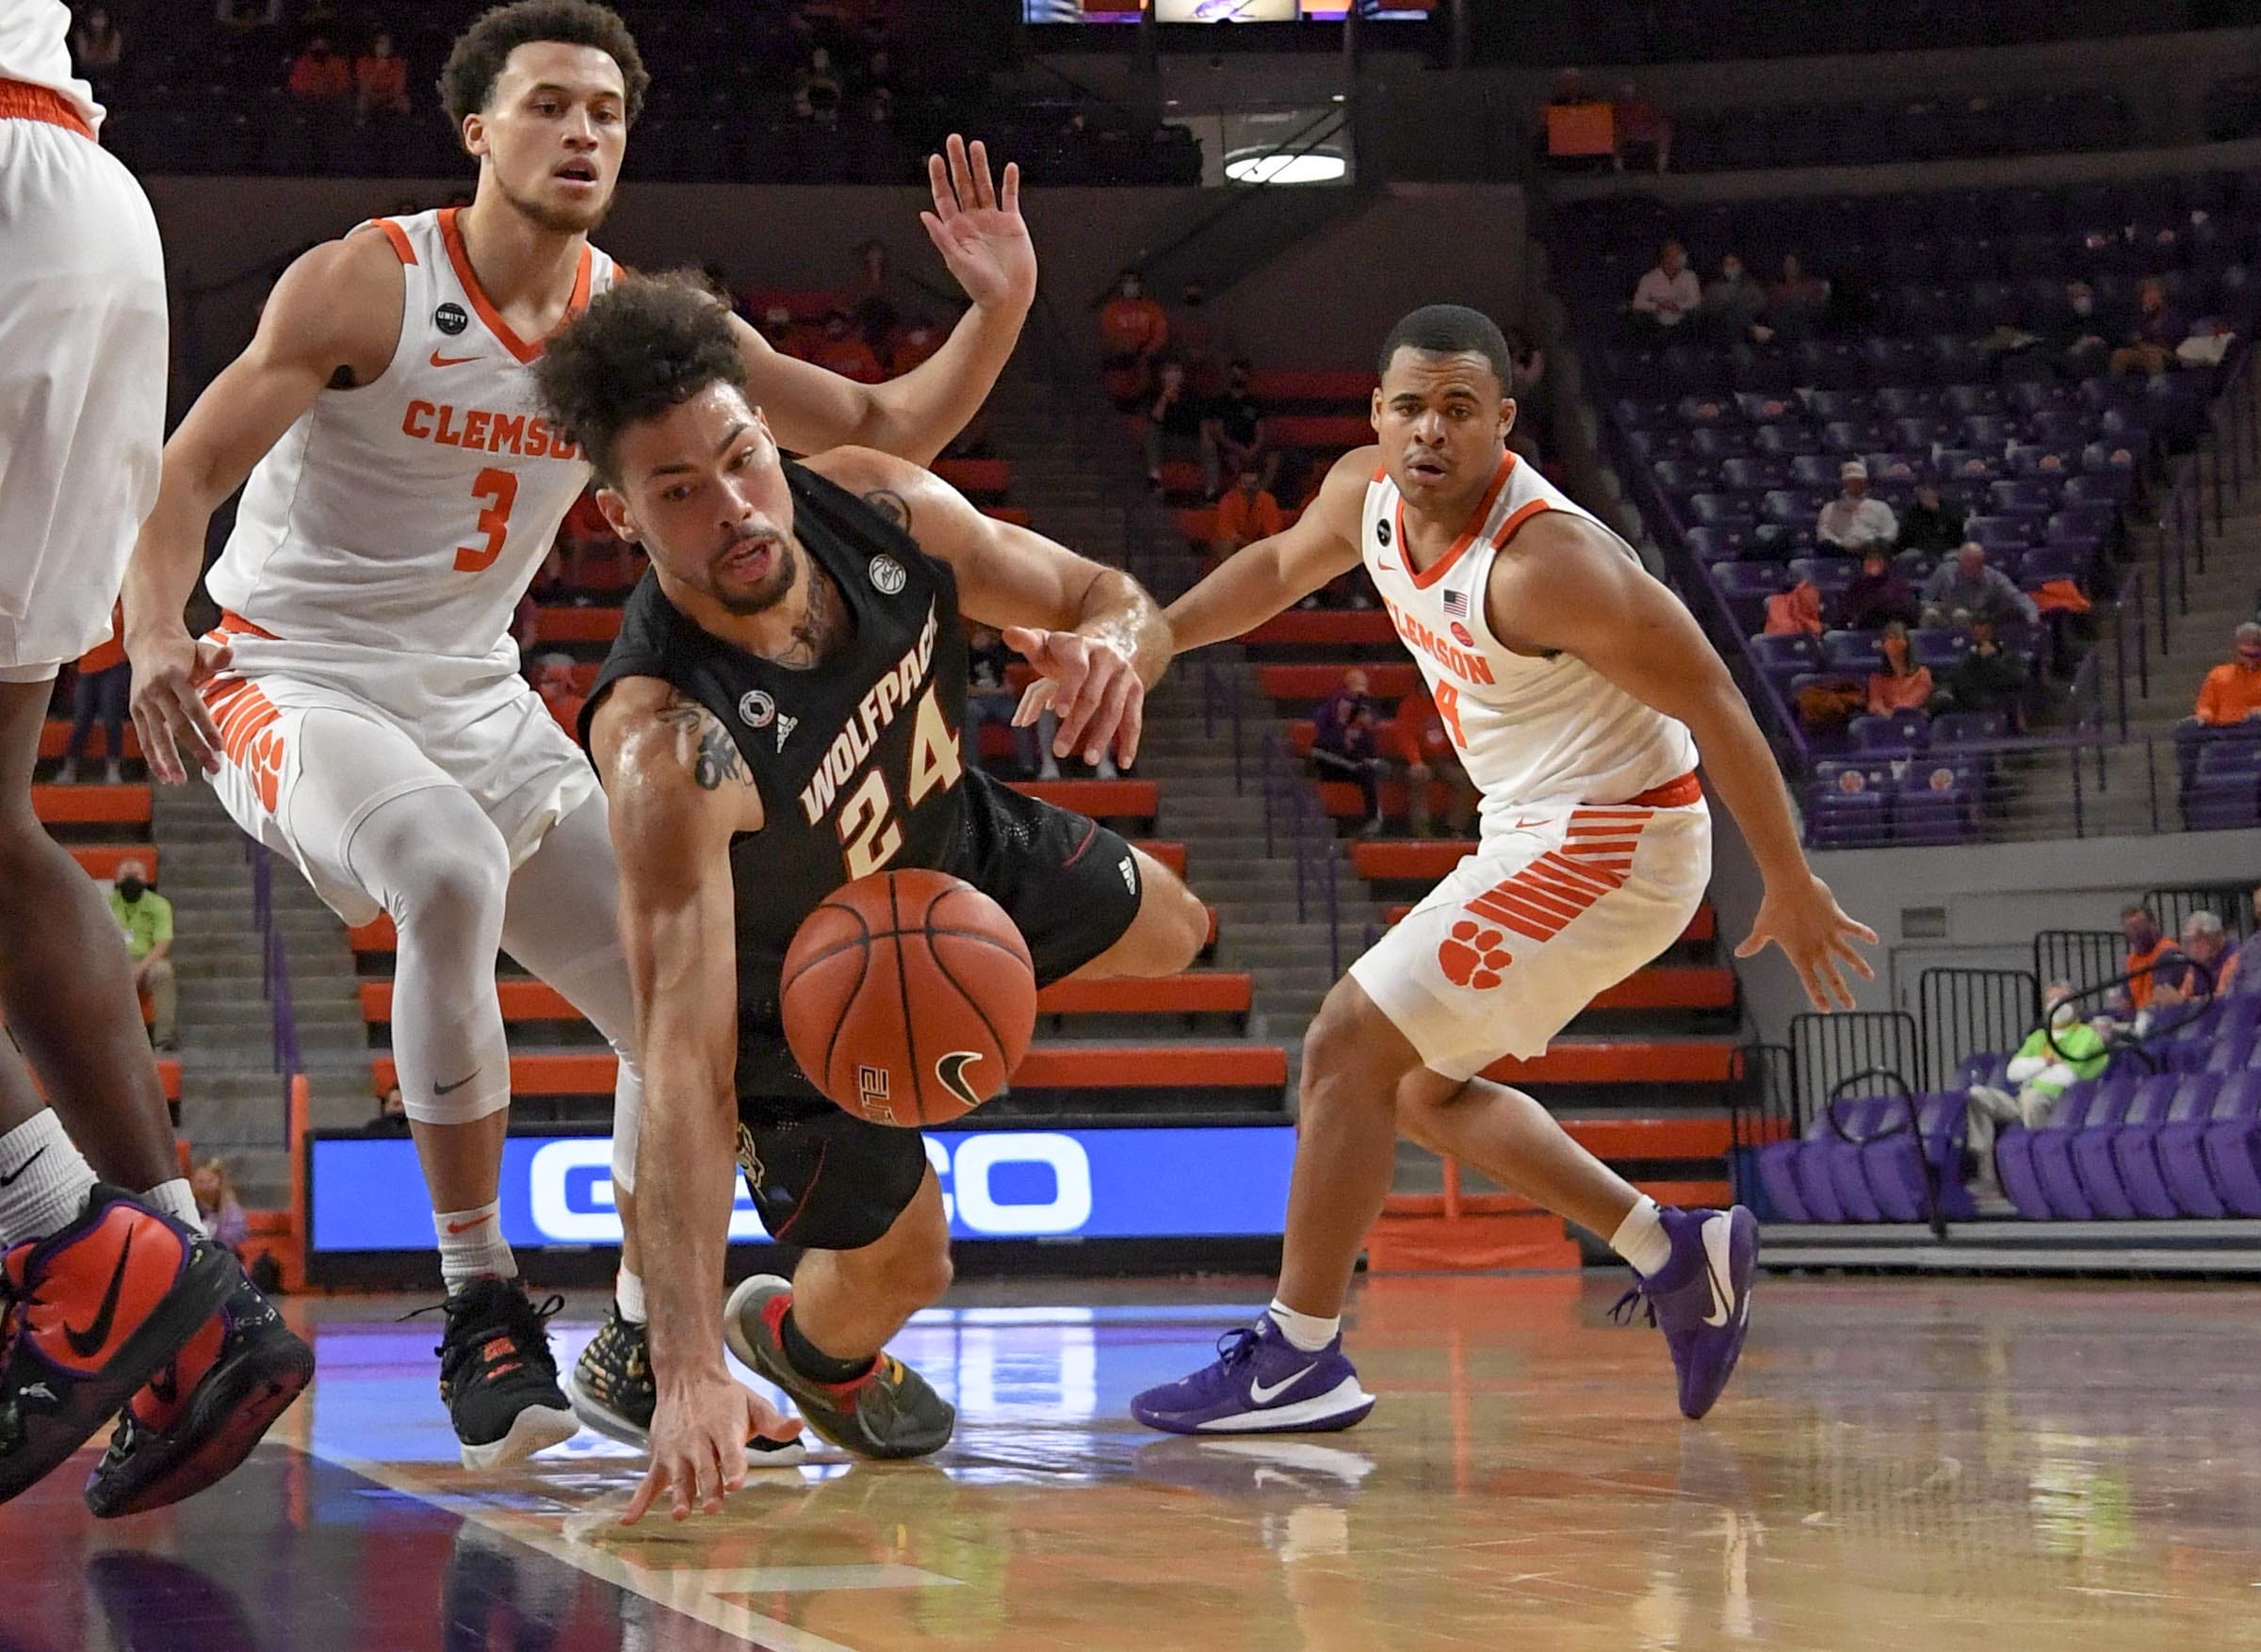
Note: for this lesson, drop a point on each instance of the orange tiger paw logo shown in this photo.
(1473, 957)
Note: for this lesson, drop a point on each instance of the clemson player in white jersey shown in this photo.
(1577, 690)
(360, 708)
(115, 1304)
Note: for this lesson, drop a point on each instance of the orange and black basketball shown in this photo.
(908, 998)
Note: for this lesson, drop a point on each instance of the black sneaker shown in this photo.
(194, 1421)
(887, 1412)
(613, 1392)
(498, 1375)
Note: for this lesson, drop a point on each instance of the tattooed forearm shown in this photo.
(892, 505)
(703, 744)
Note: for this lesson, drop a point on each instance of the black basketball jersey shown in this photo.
(857, 760)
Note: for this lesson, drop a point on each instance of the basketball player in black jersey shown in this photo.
(781, 716)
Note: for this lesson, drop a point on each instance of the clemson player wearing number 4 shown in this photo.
(360, 708)
(1576, 689)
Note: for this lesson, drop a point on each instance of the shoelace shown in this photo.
(1631, 1306)
(524, 1321)
(1237, 1346)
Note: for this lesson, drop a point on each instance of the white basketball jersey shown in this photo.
(412, 512)
(1531, 732)
(35, 49)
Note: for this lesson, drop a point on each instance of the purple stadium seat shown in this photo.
(1910, 401)
(1791, 509)
(2053, 561)
(1849, 651)
(2234, 1052)
(1826, 405)
(1998, 533)
(1718, 442)
(1789, 441)
(1902, 731)
(2015, 1161)
(2094, 1157)
(1919, 433)
(1936, 648)
(1958, 728)
(1762, 407)
(2053, 1149)
(1967, 465)
(1982, 1067)
(1935, 804)
(1851, 437)
(2020, 495)
(2140, 1153)
(2222, 793)
(1967, 401)
(2231, 1145)
(2059, 427)
(1813, 470)
(1854, 819)
(1682, 476)
(1894, 1169)
(1816, 1183)
(2107, 486)
(1988, 432)
(1797, 650)
(1721, 510)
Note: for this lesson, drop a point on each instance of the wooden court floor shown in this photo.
(1987, 1465)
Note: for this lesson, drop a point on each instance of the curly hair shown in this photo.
(649, 343)
(476, 62)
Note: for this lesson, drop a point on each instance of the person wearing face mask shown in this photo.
(2148, 948)
(146, 918)
(2231, 691)
(1733, 302)
(2057, 1053)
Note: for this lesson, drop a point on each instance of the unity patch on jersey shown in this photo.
(450, 318)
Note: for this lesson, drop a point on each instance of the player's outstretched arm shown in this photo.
(978, 230)
(1093, 633)
(336, 311)
(1570, 586)
(1252, 585)
(679, 790)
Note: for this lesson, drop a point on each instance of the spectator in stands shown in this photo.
(1344, 745)
(2150, 345)
(320, 75)
(146, 918)
(1931, 524)
(920, 341)
(1426, 750)
(1133, 332)
(553, 681)
(1855, 520)
(1795, 610)
(1733, 303)
(1233, 435)
(97, 48)
(2148, 948)
(1668, 294)
(1199, 341)
(101, 688)
(2206, 944)
(1174, 427)
(1988, 678)
(990, 699)
(1878, 595)
(2060, 1051)
(225, 1223)
(1901, 684)
(817, 90)
(1795, 301)
(1643, 130)
(2074, 333)
(1966, 589)
(2232, 692)
(1247, 513)
(873, 294)
(381, 79)
(841, 350)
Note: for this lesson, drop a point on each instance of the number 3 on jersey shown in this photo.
(499, 489)
(870, 837)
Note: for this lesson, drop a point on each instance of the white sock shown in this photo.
(472, 1246)
(627, 1290)
(1307, 1332)
(48, 1179)
(1642, 1240)
(175, 1200)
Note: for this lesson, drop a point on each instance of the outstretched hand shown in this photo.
(699, 1433)
(170, 714)
(1092, 687)
(1817, 937)
(977, 229)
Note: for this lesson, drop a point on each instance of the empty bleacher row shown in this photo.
(1916, 129)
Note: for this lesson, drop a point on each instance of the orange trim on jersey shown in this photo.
(1673, 794)
(22, 101)
(234, 625)
(397, 237)
(1522, 515)
(1424, 578)
(452, 238)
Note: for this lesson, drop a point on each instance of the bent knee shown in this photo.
(1351, 1039)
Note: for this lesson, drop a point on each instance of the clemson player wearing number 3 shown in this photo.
(1576, 689)
(360, 708)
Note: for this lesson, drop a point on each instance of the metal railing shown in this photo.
(2082, 959)
(1825, 1050)
(1291, 812)
(1961, 1013)
(1221, 701)
(274, 975)
(2231, 902)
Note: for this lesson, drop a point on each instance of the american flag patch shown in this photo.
(1455, 604)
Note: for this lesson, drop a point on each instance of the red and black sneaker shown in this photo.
(197, 1420)
(91, 1313)
(498, 1375)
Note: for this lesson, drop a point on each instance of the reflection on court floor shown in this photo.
(1983, 1465)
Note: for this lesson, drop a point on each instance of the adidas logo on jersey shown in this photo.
(786, 726)
(1129, 874)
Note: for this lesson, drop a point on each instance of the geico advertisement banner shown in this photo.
(367, 1193)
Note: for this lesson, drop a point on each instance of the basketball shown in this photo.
(908, 998)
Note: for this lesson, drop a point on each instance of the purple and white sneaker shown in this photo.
(1260, 1384)
(1701, 1298)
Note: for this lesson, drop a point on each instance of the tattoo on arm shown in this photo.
(703, 744)
(892, 505)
